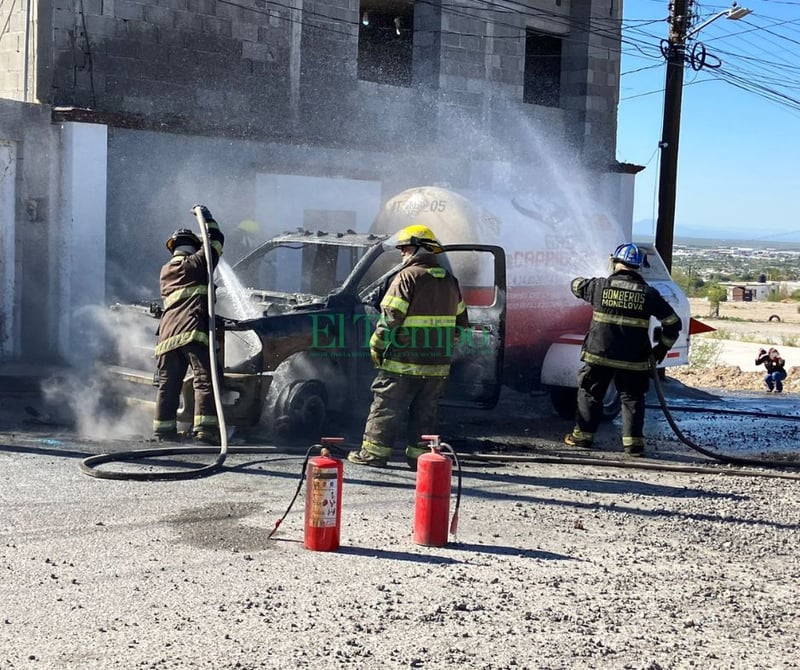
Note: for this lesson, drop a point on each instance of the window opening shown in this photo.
(542, 69)
(385, 41)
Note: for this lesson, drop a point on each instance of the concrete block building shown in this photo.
(118, 115)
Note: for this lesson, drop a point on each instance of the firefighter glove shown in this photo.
(660, 352)
(376, 356)
(207, 217)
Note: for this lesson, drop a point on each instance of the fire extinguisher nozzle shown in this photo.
(275, 527)
(454, 524)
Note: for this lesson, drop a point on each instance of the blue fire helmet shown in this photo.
(629, 255)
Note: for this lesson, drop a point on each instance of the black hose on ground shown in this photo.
(627, 463)
(297, 490)
(89, 466)
(635, 463)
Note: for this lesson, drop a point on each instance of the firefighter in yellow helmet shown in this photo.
(243, 239)
(422, 315)
(183, 333)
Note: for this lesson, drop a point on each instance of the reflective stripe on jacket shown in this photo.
(184, 293)
(422, 315)
(623, 304)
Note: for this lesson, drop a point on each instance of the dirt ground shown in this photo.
(730, 378)
(563, 559)
(746, 326)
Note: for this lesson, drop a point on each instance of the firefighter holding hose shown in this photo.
(618, 348)
(183, 333)
(422, 315)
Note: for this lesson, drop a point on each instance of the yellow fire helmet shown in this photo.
(418, 235)
(249, 227)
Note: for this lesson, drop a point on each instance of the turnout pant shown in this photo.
(632, 386)
(172, 367)
(399, 401)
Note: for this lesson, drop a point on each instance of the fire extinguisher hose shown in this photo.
(297, 490)
(90, 466)
(454, 519)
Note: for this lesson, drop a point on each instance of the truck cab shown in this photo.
(294, 318)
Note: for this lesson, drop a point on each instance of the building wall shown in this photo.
(16, 40)
(288, 70)
(29, 229)
(209, 101)
(758, 290)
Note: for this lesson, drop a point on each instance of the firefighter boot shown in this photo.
(578, 439)
(363, 457)
(633, 446)
(207, 436)
(166, 436)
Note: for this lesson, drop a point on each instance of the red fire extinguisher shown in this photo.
(432, 503)
(323, 500)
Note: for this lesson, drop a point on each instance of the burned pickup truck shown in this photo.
(294, 318)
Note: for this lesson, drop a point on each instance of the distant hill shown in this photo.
(699, 237)
(734, 242)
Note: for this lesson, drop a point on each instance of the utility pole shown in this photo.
(680, 17)
(671, 128)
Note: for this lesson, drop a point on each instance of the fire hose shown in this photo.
(90, 465)
(723, 458)
(639, 465)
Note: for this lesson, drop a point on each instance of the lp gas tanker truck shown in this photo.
(545, 247)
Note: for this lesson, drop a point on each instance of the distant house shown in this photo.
(750, 291)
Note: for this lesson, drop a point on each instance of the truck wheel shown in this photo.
(565, 402)
(307, 409)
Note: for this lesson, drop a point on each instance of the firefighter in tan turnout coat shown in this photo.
(183, 333)
(422, 316)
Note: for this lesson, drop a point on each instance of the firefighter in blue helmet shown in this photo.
(183, 333)
(422, 315)
(618, 348)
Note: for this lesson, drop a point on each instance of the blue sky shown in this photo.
(739, 152)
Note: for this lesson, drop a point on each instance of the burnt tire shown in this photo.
(564, 400)
(306, 410)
